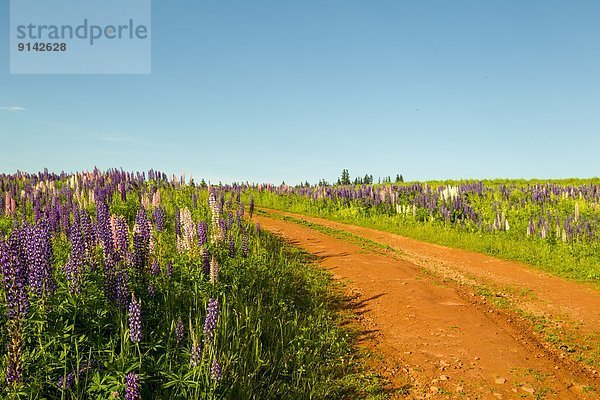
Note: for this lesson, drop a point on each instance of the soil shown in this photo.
(450, 323)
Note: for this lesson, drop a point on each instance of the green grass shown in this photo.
(577, 261)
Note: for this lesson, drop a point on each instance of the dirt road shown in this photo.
(438, 335)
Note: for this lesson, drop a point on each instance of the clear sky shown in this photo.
(297, 90)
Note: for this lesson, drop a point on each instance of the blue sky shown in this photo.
(298, 90)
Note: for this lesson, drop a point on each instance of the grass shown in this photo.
(574, 261)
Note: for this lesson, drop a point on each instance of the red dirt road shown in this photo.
(435, 334)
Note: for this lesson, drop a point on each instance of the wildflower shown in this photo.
(155, 268)
(159, 219)
(135, 321)
(202, 231)
(66, 382)
(196, 354)
(244, 243)
(132, 387)
(141, 240)
(251, 207)
(231, 247)
(214, 270)
(206, 262)
(215, 370)
(38, 255)
(73, 269)
(179, 331)
(210, 322)
(121, 289)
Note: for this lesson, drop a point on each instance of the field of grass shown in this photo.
(125, 286)
(554, 226)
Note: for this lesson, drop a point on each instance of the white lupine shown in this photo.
(188, 231)
(449, 193)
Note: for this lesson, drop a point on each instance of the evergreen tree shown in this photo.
(345, 179)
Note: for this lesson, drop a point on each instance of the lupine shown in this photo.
(169, 270)
(202, 232)
(14, 277)
(73, 269)
(104, 228)
(154, 268)
(214, 270)
(135, 320)
(231, 247)
(39, 254)
(121, 290)
(120, 233)
(244, 243)
(210, 322)
(188, 231)
(151, 289)
(196, 354)
(159, 219)
(218, 232)
(141, 240)
(215, 370)
(156, 199)
(206, 262)
(132, 387)
(179, 331)
(66, 382)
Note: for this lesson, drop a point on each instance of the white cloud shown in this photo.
(12, 109)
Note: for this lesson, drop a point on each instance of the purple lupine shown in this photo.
(215, 370)
(151, 289)
(66, 382)
(257, 227)
(73, 269)
(251, 207)
(169, 270)
(104, 229)
(120, 233)
(206, 262)
(202, 232)
(231, 247)
(39, 255)
(210, 322)
(159, 219)
(14, 273)
(135, 320)
(132, 387)
(179, 331)
(155, 268)
(141, 240)
(196, 354)
(244, 243)
(87, 229)
(121, 288)
(14, 278)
